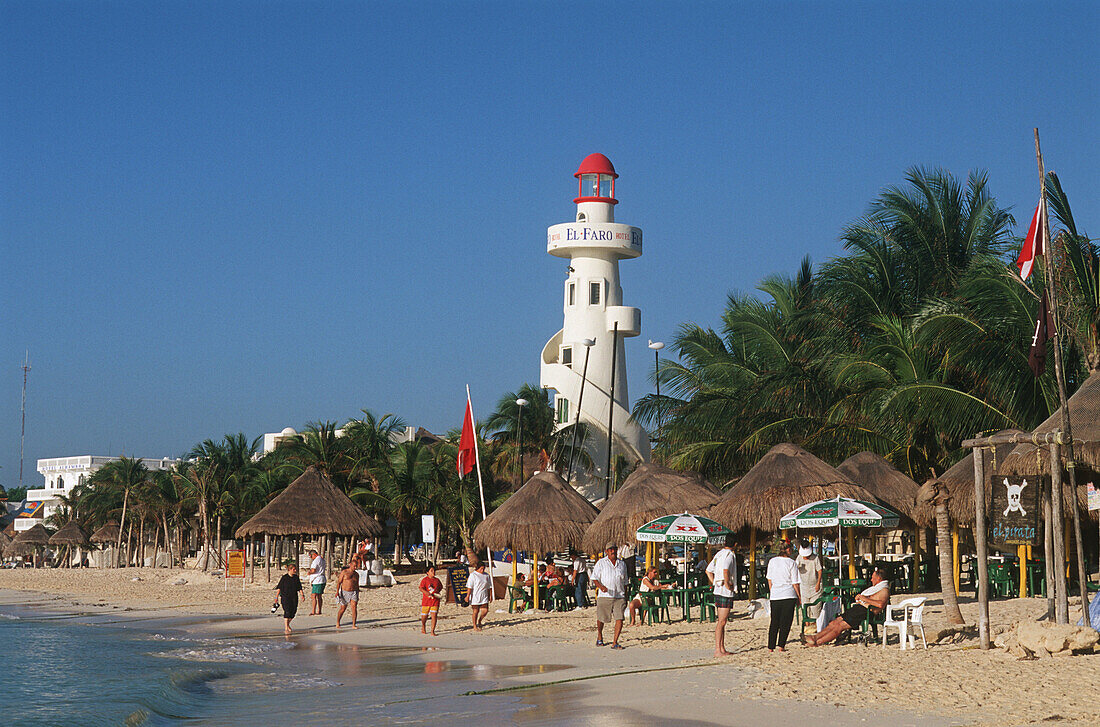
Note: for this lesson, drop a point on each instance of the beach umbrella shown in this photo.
(545, 515)
(29, 541)
(70, 535)
(840, 512)
(650, 491)
(684, 528)
(108, 533)
(784, 478)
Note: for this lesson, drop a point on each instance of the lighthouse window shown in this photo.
(567, 355)
(605, 186)
(572, 294)
(563, 410)
(594, 293)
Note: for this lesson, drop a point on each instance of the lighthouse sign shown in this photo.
(606, 235)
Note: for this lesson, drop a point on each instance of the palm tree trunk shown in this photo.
(943, 543)
(141, 544)
(121, 525)
(218, 535)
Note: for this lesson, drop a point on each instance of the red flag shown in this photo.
(467, 444)
(1033, 243)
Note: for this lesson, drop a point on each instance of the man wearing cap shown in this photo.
(610, 578)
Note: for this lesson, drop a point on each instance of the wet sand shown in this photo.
(947, 684)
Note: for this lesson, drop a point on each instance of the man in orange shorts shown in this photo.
(430, 590)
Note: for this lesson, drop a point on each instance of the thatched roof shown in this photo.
(4, 542)
(36, 535)
(545, 515)
(106, 534)
(70, 534)
(1084, 419)
(873, 473)
(311, 504)
(784, 478)
(652, 490)
(959, 481)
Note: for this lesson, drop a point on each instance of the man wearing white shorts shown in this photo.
(610, 578)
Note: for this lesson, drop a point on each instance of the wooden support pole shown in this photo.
(1061, 595)
(267, 555)
(535, 582)
(1021, 555)
(851, 553)
(1048, 549)
(1067, 547)
(916, 561)
(980, 547)
(956, 563)
(752, 563)
(515, 567)
(252, 559)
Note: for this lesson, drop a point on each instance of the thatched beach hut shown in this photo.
(29, 541)
(1084, 419)
(71, 535)
(106, 534)
(784, 478)
(651, 491)
(545, 515)
(310, 505)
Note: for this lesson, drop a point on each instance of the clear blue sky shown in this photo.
(241, 216)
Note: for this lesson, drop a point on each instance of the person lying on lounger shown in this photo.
(874, 597)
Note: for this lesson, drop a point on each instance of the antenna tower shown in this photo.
(23, 414)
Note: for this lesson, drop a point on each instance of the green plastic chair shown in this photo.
(655, 606)
(518, 594)
(560, 598)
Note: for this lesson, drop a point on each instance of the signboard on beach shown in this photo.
(234, 564)
(456, 585)
(1094, 497)
(427, 528)
(1014, 510)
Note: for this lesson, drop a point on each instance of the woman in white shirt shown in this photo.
(648, 585)
(783, 592)
(478, 584)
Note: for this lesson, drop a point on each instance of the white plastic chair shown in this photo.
(905, 616)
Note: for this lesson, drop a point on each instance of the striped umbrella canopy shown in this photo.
(840, 512)
(683, 528)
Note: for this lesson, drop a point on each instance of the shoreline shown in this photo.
(665, 666)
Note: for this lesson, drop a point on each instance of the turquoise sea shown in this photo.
(68, 670)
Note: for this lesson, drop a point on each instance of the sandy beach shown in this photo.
(950, 683)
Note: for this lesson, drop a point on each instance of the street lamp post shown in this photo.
(588, 343)
(520, 403)
(657, 346)
(611, 409)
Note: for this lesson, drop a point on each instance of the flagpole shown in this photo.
(481, 491)
(1059, 372)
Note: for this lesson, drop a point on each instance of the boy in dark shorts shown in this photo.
(289, 587)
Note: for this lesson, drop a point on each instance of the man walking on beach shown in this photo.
(347, 592)
(288, 587)
(610, 578)
(722, 572)
(317, 581)
(430, 588)
(478, 584)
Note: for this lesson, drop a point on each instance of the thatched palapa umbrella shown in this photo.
(784, 478)
(651, 490)
(29, 541)
(71, 535)
(310, 505)
(898, 492)
(1084, 419)
(545, 515)
(108, 533)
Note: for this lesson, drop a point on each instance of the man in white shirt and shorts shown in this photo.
(317, 580)
(478, 584)
(610, 578)
(722, 572)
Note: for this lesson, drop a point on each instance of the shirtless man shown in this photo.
(347, 592)
(874, 597)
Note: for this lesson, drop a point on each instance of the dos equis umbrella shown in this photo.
(684, 528)
(840, 512)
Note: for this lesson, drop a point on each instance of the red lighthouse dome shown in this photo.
(596, 180)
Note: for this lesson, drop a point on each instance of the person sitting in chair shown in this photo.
(874, 597)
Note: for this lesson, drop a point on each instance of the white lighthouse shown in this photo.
(594, 312)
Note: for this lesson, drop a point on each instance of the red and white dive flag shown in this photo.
(467, 444)
(1033, 243)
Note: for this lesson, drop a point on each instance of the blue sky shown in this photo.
(221, 217)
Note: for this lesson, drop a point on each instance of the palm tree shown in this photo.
(541, 437)
(404, 491)
(124, 476)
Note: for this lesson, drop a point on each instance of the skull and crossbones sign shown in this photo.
(1013, 492)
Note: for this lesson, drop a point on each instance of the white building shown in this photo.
(595, 314)
(408, 434)
(62, 475)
